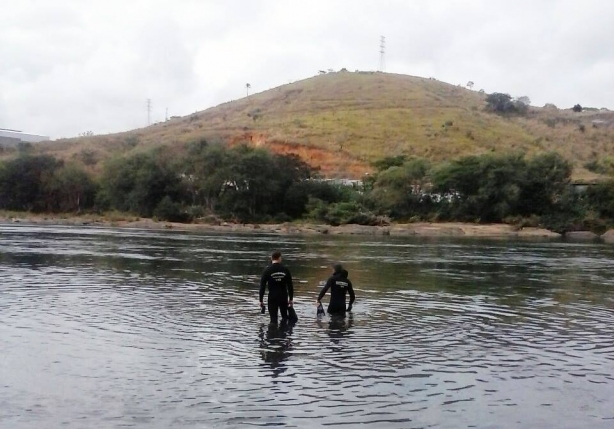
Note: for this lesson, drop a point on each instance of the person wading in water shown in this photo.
(339, 286)
(281, 291)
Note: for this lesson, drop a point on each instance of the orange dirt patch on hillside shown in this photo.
(332, 164)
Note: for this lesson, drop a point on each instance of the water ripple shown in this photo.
(109, 328)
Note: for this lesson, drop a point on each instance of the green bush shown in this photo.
(601, 199)
(298, 194)
(532, 221)
(72, 189)
(493, 187)
(25, 183)
(402, 191)
(137, 184)
(567, 215)
(196, 212)
(169, 210)
(389, 161)
(504, 105)
(341, 213)
(604, 165)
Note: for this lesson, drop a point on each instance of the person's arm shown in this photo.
(263, 280)
(290, 286)
(352, 295)
(324, 290)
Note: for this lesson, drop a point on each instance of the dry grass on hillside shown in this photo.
(343, 121)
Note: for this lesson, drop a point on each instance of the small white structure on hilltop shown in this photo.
(14, 137)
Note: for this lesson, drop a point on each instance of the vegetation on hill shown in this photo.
(425, 150)
(245, 184)
(342, 122)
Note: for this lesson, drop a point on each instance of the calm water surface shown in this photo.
(105, 328)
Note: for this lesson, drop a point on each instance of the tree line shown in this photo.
(246, 184)
(509, 188)
(240, 184)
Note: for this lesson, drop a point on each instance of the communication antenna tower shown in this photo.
(382, 54)
(149, 111)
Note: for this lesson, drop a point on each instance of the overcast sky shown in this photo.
(67, 67)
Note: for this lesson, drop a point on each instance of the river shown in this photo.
(105, 328)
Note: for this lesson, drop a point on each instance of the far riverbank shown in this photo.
(419, 229)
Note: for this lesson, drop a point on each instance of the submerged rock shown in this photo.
(608, 237)
(358, 230)
(402, 231)
(537, 232)
(581, 236)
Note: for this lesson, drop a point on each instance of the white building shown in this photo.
(14, 137)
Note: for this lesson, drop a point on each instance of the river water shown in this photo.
(105, 328)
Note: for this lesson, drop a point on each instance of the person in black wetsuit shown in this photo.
(281, 292)
(339, 286)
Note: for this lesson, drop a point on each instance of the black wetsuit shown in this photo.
(279, 281)
(338, 286)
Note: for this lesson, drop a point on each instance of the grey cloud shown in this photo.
(71, 66)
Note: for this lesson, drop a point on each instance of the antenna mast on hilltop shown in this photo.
(149, 111)
(382, 54)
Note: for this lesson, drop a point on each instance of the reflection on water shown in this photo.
(337, 328)
(275, 345)
(125, 328)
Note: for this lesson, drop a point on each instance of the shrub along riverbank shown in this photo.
(244, 184)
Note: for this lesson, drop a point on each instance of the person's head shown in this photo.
(337, 268)
(276, 256)
(344, 274)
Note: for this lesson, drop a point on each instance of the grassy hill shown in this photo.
(343, 121)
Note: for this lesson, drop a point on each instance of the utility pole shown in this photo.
(382, 54)
(149, 111)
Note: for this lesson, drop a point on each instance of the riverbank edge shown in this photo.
(418, 229)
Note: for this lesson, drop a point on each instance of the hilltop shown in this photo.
(343, 121)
